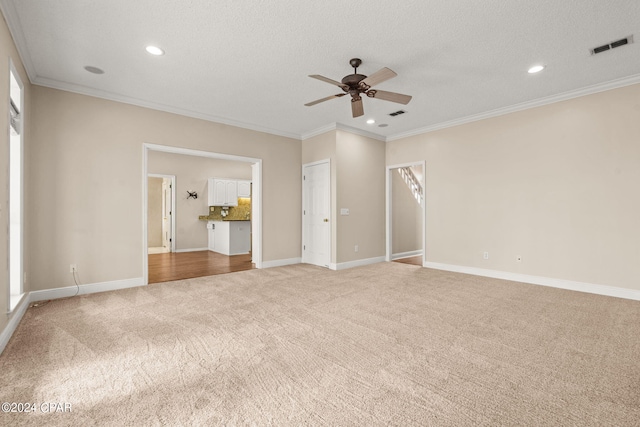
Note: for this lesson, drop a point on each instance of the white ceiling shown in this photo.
(246, 62)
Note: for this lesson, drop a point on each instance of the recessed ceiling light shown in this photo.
(536, 69)
(370, 121)
(154, 50)
(94, 70)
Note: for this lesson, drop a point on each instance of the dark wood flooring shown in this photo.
(414, 260)
(186, 265)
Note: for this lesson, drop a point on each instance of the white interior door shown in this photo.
(316, 214)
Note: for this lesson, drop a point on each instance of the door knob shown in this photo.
(326, 220)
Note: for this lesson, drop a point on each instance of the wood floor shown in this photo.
(414, 260)
(186, 265)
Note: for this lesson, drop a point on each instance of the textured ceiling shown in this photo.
(246, 62)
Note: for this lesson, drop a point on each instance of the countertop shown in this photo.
(217, 218)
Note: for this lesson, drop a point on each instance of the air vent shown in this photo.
(397, 113)
(600, 49)
(612, 45)
(621, 42)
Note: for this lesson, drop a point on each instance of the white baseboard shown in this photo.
(591, 288)
(13, 323)
(191, 250)
(91, 288)
(356, 263)
(281, 262)
(67, 291)
(409, 254)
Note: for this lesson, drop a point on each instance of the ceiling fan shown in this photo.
(356, 84)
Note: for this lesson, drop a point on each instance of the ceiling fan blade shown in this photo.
(390, 96)
(378, 77)
(356, 107)
(318, 101)
(327, 80)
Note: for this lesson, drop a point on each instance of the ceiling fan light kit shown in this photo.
(356, 84)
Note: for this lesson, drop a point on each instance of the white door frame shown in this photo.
(319, 162)
(256, 212)
(15, 261)
(256, 219)
(172, 248)
(389, 245)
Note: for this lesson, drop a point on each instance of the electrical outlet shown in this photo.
(355, 249)
(485, 255)
(519, 258)
(73, 268)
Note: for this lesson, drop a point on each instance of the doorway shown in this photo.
(16, 190)
(255, 209)
(160, 213)
(406, 213)
(316, 213)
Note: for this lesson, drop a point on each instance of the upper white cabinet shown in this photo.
(244, 188)
(223, 192)
(231, 192)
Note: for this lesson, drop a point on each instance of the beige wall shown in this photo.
(154, 212)
(191, 174)
(558, 185)
(406, 217)
(8, 52)
(357, 183)
(360, 187)
(86, 175)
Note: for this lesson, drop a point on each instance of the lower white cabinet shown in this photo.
(230, 237)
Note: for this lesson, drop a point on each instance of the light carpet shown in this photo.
(386, 344)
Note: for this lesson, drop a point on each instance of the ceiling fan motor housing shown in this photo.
(352, 81)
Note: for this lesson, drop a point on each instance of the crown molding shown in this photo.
(340, 126)
(589, 90)
(318, 131)
(13, 22)
(83, 90)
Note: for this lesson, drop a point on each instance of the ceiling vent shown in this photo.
(397, 113)
(612, 45)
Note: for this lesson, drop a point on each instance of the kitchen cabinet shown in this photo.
(229, 237)
(244, 188)
(222, 192)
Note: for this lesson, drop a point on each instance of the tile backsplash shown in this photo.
(242, 212)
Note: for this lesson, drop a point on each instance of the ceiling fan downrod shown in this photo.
(355, 63)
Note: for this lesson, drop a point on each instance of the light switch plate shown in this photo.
(344, 211)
